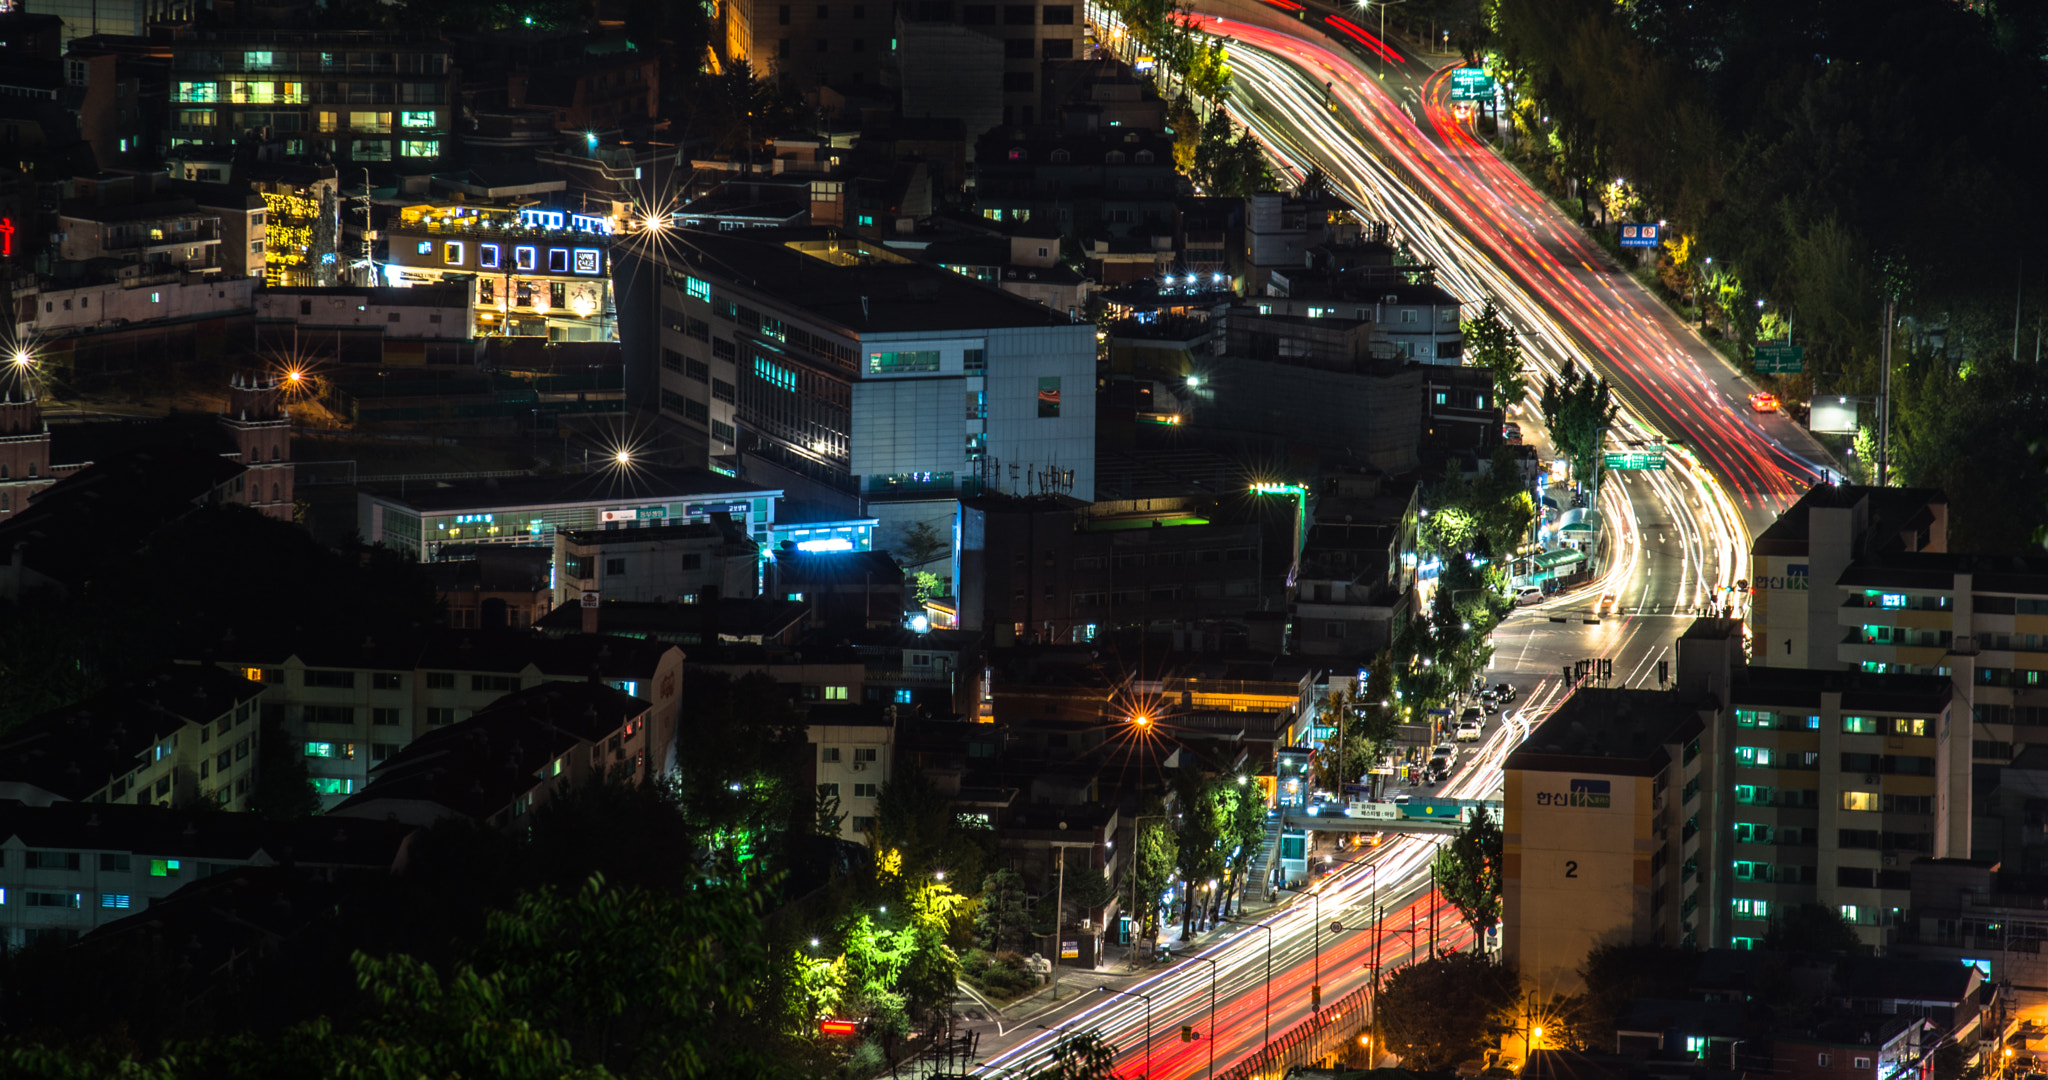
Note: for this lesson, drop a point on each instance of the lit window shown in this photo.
(163, 868)
(525, 258)
(487, 256)
(835, 693)
(1891, 600)
(1859, 725)
(1849, 912)
(252, 674)
(416, 119)
(451, 252)
(699, 289)
(1859, 800)
(419, 148)
(114, 900)
(903, 696)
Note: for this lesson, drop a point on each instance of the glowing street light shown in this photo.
(623, 457)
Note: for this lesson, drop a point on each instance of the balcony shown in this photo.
(163, 239)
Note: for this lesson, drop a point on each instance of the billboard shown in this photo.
(1833, 416)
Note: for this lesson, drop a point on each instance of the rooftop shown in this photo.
(704, 530)
(151, 830)
(1937, 570)
(74, 751)
(640, 483)
(437, 295)
(687, 624)
(852, 284)
(1892, 511)
(1803, 687)
(1612, 730)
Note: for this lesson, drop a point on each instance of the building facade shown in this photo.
(533, 272)
(349, 96)
(683, 564)
(871, 375)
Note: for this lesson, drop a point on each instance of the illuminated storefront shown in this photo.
(536, 272)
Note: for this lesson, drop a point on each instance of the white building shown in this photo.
(852, 750)
(174, 234)
(846, 365)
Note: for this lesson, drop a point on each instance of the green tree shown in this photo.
(1243, 832)
(1813, 928)
(921, 543)
(1468, 872)
(916, 820)
(284, 785)
(1617, 975)
(1083, 1055)
(1493, 344)
(1198, 834)
(1444, 1011)
(1087, 891)
(827, 819)
(1001, 919)
(1576, 408)
(1156, 857)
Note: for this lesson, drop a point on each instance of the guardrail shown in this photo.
(1310, 1041)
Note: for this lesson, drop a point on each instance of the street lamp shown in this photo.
(1268, 1038)
(1212, 1009)
(1383, 5)
(1147, 999)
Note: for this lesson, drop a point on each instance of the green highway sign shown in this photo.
(1649, 457)
(1471, 84)
(1780, 359)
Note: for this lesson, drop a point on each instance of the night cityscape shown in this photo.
(953, 540)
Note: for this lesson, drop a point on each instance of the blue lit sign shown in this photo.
(487, 256)
(589, 261)
(525, 258)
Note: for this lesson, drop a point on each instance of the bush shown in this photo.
(975, 963)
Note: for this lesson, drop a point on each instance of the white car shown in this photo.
(1471, 731)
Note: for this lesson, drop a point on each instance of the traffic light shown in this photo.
(1567, 672)
(1187, 1033)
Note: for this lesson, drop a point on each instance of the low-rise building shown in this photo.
(386, 326)
(351, 706)
(67, 869)
(494, 588)
(683, 564)
(529, 511)
(181, 738)
(853, 755)
(171, 234)
(506, 762)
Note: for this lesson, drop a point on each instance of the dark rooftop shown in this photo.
(703, 530)
(1892, 511)
(151, 830)
(869, 290)
(74, 751)
(640, 483)
(1624, 730)
(1803, 687)
(683, 624)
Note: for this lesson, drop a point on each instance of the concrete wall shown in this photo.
(1379, 418)
(1577, 875)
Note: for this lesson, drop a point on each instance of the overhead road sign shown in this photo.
(1780, 359)
(1648, 457)
(1471, 84)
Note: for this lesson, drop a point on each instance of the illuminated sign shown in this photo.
(451, 253)
(1593, 794)
(834, 544)
(645, 513)
(701, 509)
(525, 258)
(6, 237)
(589, 261)
(839, 1027)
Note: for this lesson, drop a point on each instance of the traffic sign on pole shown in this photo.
(1640, 235)
(1471, 84)
(1649, 457)
(1780, 359)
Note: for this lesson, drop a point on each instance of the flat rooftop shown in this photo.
(1892, 510)
(856, 285)
(610, 485)
(1612, 730)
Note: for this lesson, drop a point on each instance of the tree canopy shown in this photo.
(1446, 1010)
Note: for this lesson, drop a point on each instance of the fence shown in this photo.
(1310, 1041)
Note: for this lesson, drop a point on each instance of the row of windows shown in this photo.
(782, 13)
(1161, 558)
(831, 754)
(860, 791)
(1766, 757)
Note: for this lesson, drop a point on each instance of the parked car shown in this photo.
(1504, 692)
(1471, 731)
(1529, 594)
(1511, 433)
(1469, 715)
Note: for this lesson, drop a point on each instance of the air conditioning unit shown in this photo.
(860, 766)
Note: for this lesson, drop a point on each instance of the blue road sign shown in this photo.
(1639, 236)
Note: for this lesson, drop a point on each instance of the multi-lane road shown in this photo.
(1373, 117)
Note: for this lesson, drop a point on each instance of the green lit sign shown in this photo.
(1780, 359)
(1471, 84)
(1278, 489)
(1649, 457)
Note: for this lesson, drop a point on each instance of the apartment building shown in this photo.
(683, 564)
(803, 46)
(1860, 578)
(351, 706)
(166, 235)
(1836, 781)
(349, 96)
(509, 760)
(1114, 183)
(853, 755)
(1604, 840)
(844, 364)
(181, 738)
(67, 869)
(985, 64)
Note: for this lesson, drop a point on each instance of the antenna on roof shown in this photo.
(863, 309)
